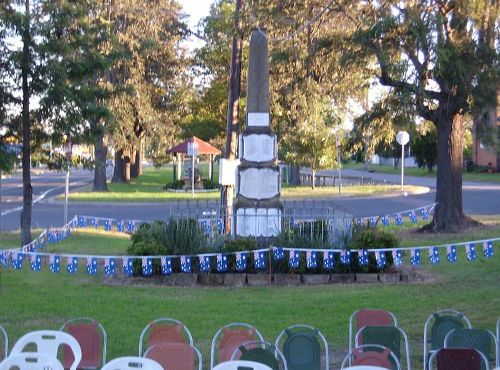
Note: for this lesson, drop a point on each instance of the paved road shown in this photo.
(479, 199)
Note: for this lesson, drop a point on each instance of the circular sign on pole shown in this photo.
(192, 149)
(402, 137)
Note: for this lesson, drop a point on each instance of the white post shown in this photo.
(402, 164)
(0, 201)
(402, 138)
(192, 175)
(66, 196)
(337, 144)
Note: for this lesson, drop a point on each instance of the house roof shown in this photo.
(203, 147)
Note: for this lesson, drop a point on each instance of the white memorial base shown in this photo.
(259, 183)
(258, 222)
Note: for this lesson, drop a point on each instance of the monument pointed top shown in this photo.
(258, 73)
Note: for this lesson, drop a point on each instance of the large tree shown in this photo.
(431, 50)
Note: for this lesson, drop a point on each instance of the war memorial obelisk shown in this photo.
(258, 207)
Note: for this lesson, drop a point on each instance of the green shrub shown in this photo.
(177, 184)
(210, 184)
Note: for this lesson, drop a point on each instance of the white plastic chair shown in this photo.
(237, 364)
(5, 349)
(132, 363)
(48, 342)
(31, 361)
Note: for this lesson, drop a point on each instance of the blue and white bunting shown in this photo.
(470, 252)
(91, 265)
(424, 213)
(147, 266)
(328, 260)
(72, 265)
(54, 263)
(131, 226)
(363, 257)
(204, 263)
(241, 261)
(412, 216)
(345, 256)
(108, 225)
(278, 254)
(128, 266)
(109, 266)
(36, 262)
(94, 222)
(166, 266)
(185, 263)
(381, 259)
(120, 226)
(4, 259)
(415, 257)
(451, 253)
(259, 259)
(398, 219)
(311, 260)
(221, 262)
(397, 257)
(385, 221)
(294, 259)
(434, 257)
(82, 222)
(488, 249)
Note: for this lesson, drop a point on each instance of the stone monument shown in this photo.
(258, 207)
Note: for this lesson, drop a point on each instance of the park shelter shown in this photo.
(181, 150)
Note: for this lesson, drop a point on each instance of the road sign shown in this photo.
(192, 149)
(402, 137)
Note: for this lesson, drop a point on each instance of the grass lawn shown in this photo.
(423, 172)
(149, 188)
(44, 300)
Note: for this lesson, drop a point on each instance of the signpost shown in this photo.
(192, 150)
(402, 138)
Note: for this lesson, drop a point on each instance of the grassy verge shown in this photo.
(36, 300)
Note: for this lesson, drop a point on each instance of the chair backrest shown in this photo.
(480, 339)
(164, 330)
(386, 336)
(5, 343)
(437, 326)
(175, 356)
(457, 359)
(228, 338)
(31, 361)
(364, 367)
(368, 317)
(263, 352)
(303, 345)
(132, 363)
(372, 355)
(48, 342)
(92, 339)
(241, 365)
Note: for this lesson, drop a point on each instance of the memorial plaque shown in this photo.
(258, 119)
(260, 222)
(259, 183)
(259, 148)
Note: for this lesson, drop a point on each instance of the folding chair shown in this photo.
(386, 336)
(241, 365)
(261, 351)
(437, 326)
(368, 317)
(30, 361)
(164, 330)
(132, 363)
(498, 344)
(5, 347)
(371, 355)
(175, 356)
(457, 359)
(480, 339)
(48, 342)
(92, 339)
(303, 347)
(228, 338)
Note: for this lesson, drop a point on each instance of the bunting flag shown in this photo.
(54, 263)
(397, 258)
(451, 253)
(36, 262)
(363, 257)
(241, 261)
(278, 254)
(206, 226)
(220, 225)
(4, 259)
(294, 259)
(488, 249)
(109, 266)
(345, 257)
(72, 265)
(185, 264)
(311, 260)
(128, 266)
(108, 225)
(385, 221)
(94, 222)
(371, 222)
(359, 221)
(470, 251)
(328, 260)
(120, 226)
(17, 260)
(434, 255)
(398, 219)
(415, 257)
(381, 259)
(204, 263)
(259, 259)
(131, 226)
(412, 216)
(424, 213)
(166, 266)
(147, 266)
(221, 262)
(82, 222)
(91, 265)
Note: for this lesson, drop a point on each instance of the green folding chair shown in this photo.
(263, 352)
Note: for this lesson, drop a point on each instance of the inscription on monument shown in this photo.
(259, 183)
(259, 148)
(264, 222)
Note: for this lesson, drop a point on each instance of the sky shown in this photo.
(196, 9)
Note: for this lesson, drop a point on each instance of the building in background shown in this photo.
(482, 154)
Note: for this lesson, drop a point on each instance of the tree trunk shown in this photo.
(100, 154)
(26, 160)
(313, 180)
(132, 158)
(126, 166)
(136, 164)
(294, 175)
(118, 172)
(449, 215)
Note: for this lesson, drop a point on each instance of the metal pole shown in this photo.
(402, 164)
(337, 141)
(192, 174)
(0, 201)
(66, 196)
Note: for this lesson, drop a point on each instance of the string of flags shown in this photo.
(398, 218)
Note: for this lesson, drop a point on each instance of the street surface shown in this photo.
(479, 199)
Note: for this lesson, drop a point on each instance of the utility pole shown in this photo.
(234, 89)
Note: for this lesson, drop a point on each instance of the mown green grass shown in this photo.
(44, 300)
